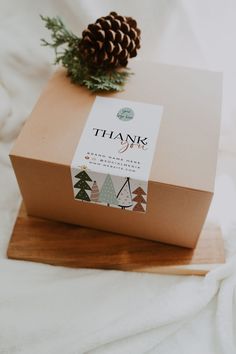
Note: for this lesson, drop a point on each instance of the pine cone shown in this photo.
(110, 41)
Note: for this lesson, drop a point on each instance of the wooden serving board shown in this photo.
(51, 242)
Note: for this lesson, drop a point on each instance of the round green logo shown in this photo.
(125, 114)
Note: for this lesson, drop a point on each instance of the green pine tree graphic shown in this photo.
(107, 193)
(83, 185)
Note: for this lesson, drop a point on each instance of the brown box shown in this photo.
(181, 182)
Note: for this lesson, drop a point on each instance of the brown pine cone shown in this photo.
(110, 41)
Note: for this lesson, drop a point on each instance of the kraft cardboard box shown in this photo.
(181, 167)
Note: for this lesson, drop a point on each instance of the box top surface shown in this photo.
(186, 151)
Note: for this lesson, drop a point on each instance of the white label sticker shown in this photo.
(112, 162)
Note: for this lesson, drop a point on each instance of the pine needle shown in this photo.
(66, 48)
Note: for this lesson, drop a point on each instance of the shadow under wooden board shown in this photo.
(56, 243)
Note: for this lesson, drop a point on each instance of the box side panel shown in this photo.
(189, 129)
(174, 215)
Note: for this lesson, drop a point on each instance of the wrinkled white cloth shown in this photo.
(46, 309)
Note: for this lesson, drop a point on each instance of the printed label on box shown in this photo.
(112, 162)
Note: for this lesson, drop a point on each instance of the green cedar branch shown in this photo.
(66, 48)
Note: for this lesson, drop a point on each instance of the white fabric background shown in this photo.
(45, 309)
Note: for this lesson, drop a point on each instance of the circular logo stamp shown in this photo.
(125, 114)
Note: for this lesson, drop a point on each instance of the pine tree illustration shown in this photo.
(124, 196)
(94, 192)
(83, 185)
(107, 193)
(139, 199)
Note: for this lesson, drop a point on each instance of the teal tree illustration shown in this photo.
(124, 196)
(107, 193)
(94, 192)
(83, 185)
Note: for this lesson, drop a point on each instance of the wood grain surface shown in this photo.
(51, 242)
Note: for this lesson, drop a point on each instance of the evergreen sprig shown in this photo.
(66, 48)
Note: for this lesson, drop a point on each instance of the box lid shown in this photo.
(186, 151)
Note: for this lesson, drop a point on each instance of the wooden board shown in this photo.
(40, 240)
